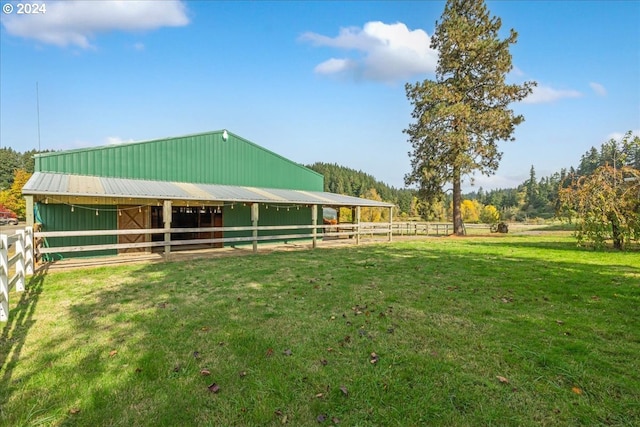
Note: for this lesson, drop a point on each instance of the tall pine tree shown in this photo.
(462, 114)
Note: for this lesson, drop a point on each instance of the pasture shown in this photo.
(502, 330)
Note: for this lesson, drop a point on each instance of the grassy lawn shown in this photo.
(517, 330)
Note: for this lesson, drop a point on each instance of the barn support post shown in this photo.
(29, 209)
(391, 224)
(166, 217)
(255, 211)
(314, 223)
(357, 223)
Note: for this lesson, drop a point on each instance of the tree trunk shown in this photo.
(618, 238)
(457, 201)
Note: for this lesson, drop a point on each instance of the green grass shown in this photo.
(282, 333)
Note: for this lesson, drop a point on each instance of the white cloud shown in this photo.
(389, 52)
(544, 94)
(110, 140)
(598, 88)
(334, 65)
(77, 22)
(517, 72)
(619, 135)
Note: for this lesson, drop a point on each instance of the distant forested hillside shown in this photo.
(343, 180)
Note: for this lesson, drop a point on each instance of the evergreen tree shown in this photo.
(589, 162)
(531, 195)
(460, 117)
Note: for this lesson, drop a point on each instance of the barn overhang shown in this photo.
(60, 187)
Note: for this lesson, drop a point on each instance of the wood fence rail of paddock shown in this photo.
(18, 251)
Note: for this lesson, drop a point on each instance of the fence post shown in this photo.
(166, 215)
(254, 222)
(357, 225)
(20, 261)
(390, 224)
(28, 250)
(314, 222)
(4, 278)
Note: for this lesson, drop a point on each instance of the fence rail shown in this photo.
(18, 252)
(16, 262)
(362, 230)
(307, 232)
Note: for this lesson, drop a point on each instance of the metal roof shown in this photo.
(59, 184)
(218, 157)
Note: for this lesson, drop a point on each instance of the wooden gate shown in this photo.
(133, 217)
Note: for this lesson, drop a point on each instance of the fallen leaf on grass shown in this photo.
(74, 411)
(113, 353)
(214, 388)
(323, 362)
(503, 380)
(373, 358)
(242, 374)
(321, 418)
(344, 390)
(205, 372)
(269, 352)
(287, 352)
(319, 395)
(335, 420)
(576, 390)
(205, 328)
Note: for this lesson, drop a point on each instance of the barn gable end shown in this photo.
(205, 158)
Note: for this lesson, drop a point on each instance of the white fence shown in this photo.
(257, 235)
(16, 262)
(311, 232)
(17, 251)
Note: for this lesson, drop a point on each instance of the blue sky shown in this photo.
(312, 81)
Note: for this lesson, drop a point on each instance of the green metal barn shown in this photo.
(209, 180)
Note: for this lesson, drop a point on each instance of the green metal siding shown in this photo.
(55, 217)
(203, 158)
(240, 216)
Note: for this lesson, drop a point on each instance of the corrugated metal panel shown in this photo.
(203, 158)
(59, 218)
(240, 216)
(236, 216)
(48, 184)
